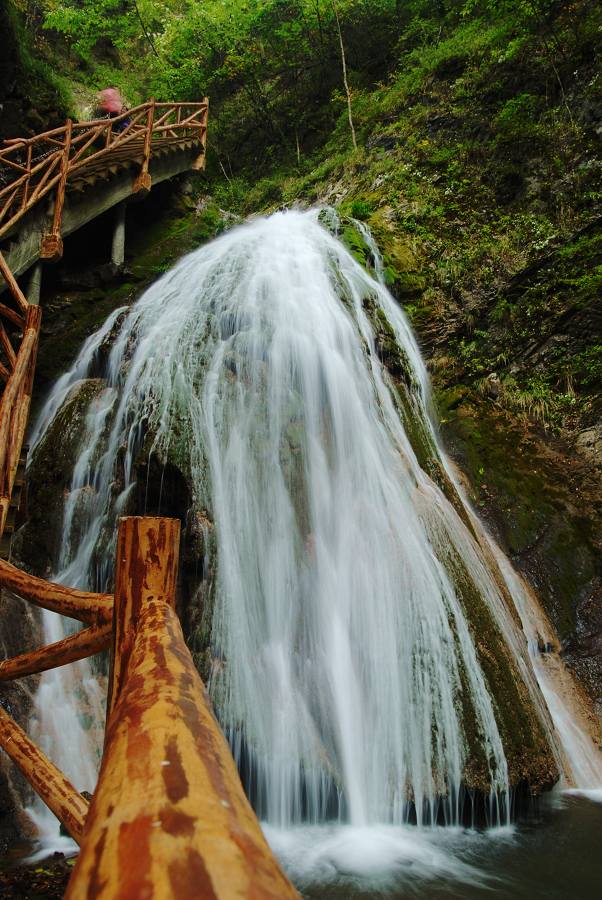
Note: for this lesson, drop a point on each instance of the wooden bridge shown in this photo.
(169, 817)
(53, 183)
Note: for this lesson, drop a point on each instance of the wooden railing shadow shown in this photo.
(169, 817)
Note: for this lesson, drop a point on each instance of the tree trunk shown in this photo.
(344, 67)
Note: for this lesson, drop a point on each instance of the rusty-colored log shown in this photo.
(60, 191)
(147, 547)
(7, 347)
(83, 643)
(199, 162)
(11, 315)
(12, 284)
(169, 818)
(14, 408)
(86, 607)
(48, 782)
(51, 247)
(28, 182)
(142, 184)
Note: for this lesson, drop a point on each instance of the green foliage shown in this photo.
(517, 118)
(360, 210)
(587, 367)
(476, 161)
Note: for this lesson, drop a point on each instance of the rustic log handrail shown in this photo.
(93, 609)
(14, 408)
(77, 646)
(182, 820)
(48, 782)
(53, 161)
(169, 817)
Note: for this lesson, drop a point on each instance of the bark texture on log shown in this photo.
(77, 646)
(81, 605)
(48, 782)
(169, 818)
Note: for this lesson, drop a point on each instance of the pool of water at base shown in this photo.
(555, 854)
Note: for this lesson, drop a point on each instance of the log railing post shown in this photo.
(52, 244)
(14, 408)
(13, 287)
(27, 182)
(143, 182)
(145, 570)
(169, 818)
(199, 162)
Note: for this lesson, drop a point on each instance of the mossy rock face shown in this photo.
(20, 631)
(399, 252)
(528, 753)
(526, 746)
(34, 549)
(524, 487)
(49, 475)
(403, 272)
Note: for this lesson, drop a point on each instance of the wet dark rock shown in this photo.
(20, 631)
(451, 68)
(384, 141)
(47, 882)
(50, 473)
(590, 112)
(542, 500)
(101, 276)
(509, 186)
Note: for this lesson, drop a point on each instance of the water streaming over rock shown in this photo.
(345, 667)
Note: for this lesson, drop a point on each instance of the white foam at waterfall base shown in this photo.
(338, 636)
(385, 858)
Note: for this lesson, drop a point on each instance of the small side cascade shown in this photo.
(575, 733)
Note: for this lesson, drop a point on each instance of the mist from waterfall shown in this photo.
(341, 651)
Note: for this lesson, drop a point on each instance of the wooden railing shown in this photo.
(169, 817)
(16, 370)
(31, 168)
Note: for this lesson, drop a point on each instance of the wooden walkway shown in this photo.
(169, 817)
(37, 175)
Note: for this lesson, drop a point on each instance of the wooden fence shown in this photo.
(17, 369)
(169, 817)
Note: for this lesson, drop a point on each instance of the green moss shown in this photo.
(525, 743)
(526, 499)
(356, 245)
(50, 471)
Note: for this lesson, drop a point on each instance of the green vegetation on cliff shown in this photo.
(477, 163)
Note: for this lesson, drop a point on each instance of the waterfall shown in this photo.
(345, 668)
(69, 708)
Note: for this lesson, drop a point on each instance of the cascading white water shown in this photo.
(340, 645)
(69, 709)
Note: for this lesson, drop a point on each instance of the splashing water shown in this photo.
(342, 655)
(69, 710)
